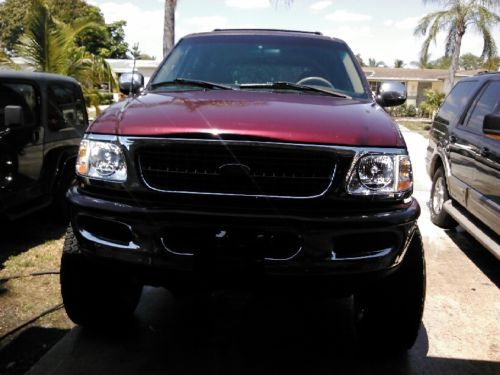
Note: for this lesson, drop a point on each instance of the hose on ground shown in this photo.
(35, 318)
(19, 276)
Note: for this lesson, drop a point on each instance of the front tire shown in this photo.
(95, 295)
(61, 206)
(389, 313)
(439, 195)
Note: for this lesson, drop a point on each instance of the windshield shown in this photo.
(239, 61)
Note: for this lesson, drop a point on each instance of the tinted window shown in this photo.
(489, 100)
(65, 107)
(19, 94)
(456, 101)
(234, 60)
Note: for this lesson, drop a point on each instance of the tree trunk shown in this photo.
(169, 25)
(448, 84)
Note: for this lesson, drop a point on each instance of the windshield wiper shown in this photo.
(293, 86)
(191, 82)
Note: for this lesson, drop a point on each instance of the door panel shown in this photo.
(21, 150)
(443, 134)
(464, 153)
(484, 179)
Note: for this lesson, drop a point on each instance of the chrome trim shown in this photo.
(131, 140)
(90, 237)
(174, 252)
(375, 254)
(241, 195)
(285, 259)
(101, 137)
(265, 258)
(127, 141)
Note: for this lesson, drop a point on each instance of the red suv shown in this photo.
(253, 158)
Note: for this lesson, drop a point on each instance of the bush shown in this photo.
(433, 100)
(106, 98)
(403, 110)
(411, 111)
(100, 98)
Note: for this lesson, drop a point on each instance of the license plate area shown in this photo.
(223, 244)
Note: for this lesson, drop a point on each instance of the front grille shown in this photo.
(242, 169)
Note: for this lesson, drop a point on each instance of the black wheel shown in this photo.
(439, 195)
(61, 207)
(95, 295)
(389, 313)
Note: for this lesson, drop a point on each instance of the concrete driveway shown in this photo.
(243, 334)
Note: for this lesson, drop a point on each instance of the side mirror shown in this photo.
(131, 83)
(14, 116)
(391, 94)
(491, 124)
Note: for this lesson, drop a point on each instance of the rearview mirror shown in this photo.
(14, 116)
(131, 83)
(491, 124)
(391, 94)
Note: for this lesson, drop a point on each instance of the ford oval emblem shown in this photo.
(234, 169)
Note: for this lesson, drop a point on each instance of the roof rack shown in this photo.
(488, 72)
(280, 30)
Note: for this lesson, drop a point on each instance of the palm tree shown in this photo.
(374, 63)
(456, 17)
(169, 22)
(169, 25)
(398, 63)
(49, 46)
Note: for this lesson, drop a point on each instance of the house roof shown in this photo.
(122, 65)
(402, 74)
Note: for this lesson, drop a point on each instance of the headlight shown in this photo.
(101, 160)
(381, 174)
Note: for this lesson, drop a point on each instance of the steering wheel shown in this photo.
(312, 78)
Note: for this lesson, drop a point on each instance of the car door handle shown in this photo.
(35, 136)
(453, 139)
(485, 152)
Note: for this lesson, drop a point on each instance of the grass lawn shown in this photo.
(418, 125)
(28, 246)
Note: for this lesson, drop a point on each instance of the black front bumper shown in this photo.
(165, 242)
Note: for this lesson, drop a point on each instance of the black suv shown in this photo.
(463, 160)
(253, 158)
(42, 120)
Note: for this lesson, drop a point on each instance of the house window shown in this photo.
(374, 86)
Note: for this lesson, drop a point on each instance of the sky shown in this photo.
(381, 29)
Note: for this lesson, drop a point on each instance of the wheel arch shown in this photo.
(56, 162)
(438, 161)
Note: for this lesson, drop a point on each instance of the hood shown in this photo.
(285, 117)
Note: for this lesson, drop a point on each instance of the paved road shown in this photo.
(239, 334)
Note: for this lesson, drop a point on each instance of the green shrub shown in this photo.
(433, 100)
(99, 98)
(106, 98)
(411, 111)
(398, 111)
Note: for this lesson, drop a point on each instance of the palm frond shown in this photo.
(34, 44)
(493, 4)
(483, 21)
(4, 57)
(439, 22)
